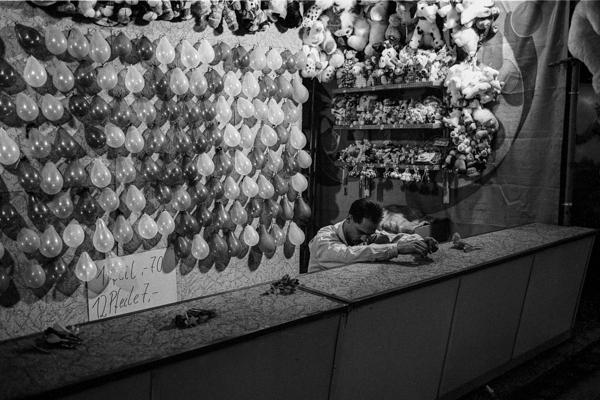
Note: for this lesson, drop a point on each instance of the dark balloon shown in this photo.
(280, 184)
(257, 158)
(286, 211)
(95, 138)
(163, 88)
(38, 213)
(32, 41)
(215, 81)
(255, 207)
(79, 106)
(74, 175)
(133, 57)
(201, 142)
(85, 75)
(201, 192)
(266, 242)
(223, 163)
(29, 177)
(65, 146)
(8, 112)
(186, 224)
(194, 113)
(183, 247)
(151, 78)
(164, 194)
(218, 54)
(215, 188)
(121, 45)
(203, 216)
(145, 48)
(99, 110)
(8, 75)
(10, 221)
(218, 246)
(209, 110)
(190, 169)
(233, 244)
(121, 114)
(120, 90)
(302, 210)
(87, 209)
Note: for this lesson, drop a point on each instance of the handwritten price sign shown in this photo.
(141, 285)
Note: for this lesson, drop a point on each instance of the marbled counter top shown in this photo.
(365, 280)
(132, 340)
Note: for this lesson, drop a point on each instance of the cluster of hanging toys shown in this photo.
(192, 156)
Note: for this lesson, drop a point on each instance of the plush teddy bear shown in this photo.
(314, 12)
(389, 56)
(400, 24)
(313, 61)
(358, 71)
(224, 10)
(360, 35)
(200, 11)
(87, 8)
(377, 16)
(584, 38)
(347, 16)
(252, 17)
(125, 10)
(426, 26)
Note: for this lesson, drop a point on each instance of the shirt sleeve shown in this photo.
(330, 252)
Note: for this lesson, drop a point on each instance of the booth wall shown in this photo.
(25, 311)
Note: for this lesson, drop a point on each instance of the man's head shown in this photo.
(362, 221)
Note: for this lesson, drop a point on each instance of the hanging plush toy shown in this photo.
(426, 32)
(200, 10)
(377, 15)
(400, 24)
(224, 10)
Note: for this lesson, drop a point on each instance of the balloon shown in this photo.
(29, 178)
(63, 79)
(247, 137)
(52, 109)
(147, 228)
(31, 40)
(200, 249)
(62, 206)
(125, 170)
(55, 40)
(165, 53)
(295, 234)
(243, 166)
(189, 56)
(237, 213)
(50, 243)
(86, 269)
(231, 136)
(115, 137)
(77, 45)
(265, 188)
(250, 85)
(214, 188)
(258, 59)
(73, 235)
(183, 247)
(178, 82)
(280, 184)
(182, 199)
(94, 137)
(135, 200)
(231, 188)
(231, 84)
(284, 87)
(114, 266)
(223, 110)
(245, 108)
(274, 60)
(205, 52)
(268, 136)
(257, 158)
(107, 77)
(299, 182)
(9, 150)
(205, 165)
(102, 240)
(87, 208)
(186, 224)
(302, 211)
(39, 147)
(99, 110)
(215, 82)
(52, 180)
(99, 174)
(249, 187)
(121, 45)
(300, 59)
(34, 73)
(79, 106)
(223, 163)
(27, 110)
(278, 235)
(262, 111)
(266, 243)
(299, 93)
(122, 231)
(303, 159)
(276, 116)
(198, 83)
(286, 210)
(65, 146)
(297, 138)
(134, 142)
(28, 240)
(145, 48)
(4, 280)
(165, 223)
(99, 48)
(134, 81)
(33, 275)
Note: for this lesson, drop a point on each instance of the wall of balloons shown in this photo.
(124, 143)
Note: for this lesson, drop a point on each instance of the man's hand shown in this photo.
(432, 244)
(419, 247)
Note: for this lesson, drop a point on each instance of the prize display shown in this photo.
(119, 143)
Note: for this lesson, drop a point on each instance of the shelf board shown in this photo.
(404, 127)
(383, 88)
(432, 167)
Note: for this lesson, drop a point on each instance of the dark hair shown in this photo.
(364, 208)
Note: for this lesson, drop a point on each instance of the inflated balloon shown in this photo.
(266, 242)
(214, 81)
(244, 108)
(274, 60)
(297, 138)
(231, 84)
(38, 212)
(134, 141)
(265, 187)
(250, 86)
(299, 182)
(247, 137)
(4, 280)
(26, 108)
(178, 82)
(33, 275)
(198, 83)
(250, 236)
(276, 116)
(50, 243)
(303, 159)
(183, 247)
(102, 239)
(284, 87)
(107, 77)
(147, 228)
(291, 113)
(286, 209)
(122, 230)
(55, 40)
(9, 150)
(34, 73)
(189, 55)
(115, 137)
(186, 224)
(28, 240)
(121, 45)
(29, 177)
(73, 235)
(299, 93)
(295, 234)
(31, 40)
(85, 269)
(65, 146)
(231, 189)
(268, 136)
(8, 110)
(181, 199)
(77, 45)
(62, 206)
(262, 110)
(242, 164)
(87, 209)
(114, 266)
(249, 187)
(257, 158)
(51, 179)
(94, 137)
(165, 223)
(280, 184)
(205, 165)
(125, 170)
(99, 48)
(200, 249)
(182, 143)
(165, 53)
(289, 61)
(258, 58)
(300, 59)
(302, 210)
(135, 199)
(231, 136)
(134, 80)
(52, 108)
(214, 187)
(79, 106)
(223, 110)
(206, 52)
(39, 145)
(99, 174)
(99, 111)
(63, 79)
(278, 235)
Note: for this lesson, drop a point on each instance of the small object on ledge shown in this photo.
(58, 336)
(460, 244)
(192, 317)
(285, 286)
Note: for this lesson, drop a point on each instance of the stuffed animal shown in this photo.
(400, 24)
(584, 38)
(200, 11)
(426, 26)
(347, 17)
(389, 56)
(360, 36)
(358, 71)
(252, 17)
(87, 8)
(315, 11)
(293, 17)
(377, 15)
(224, 10)
(467, 39)
(125, 10)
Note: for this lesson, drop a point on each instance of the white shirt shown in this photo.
(329, 248)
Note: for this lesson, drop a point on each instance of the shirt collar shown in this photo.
(339, 229)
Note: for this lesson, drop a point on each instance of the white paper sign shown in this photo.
(142, 285)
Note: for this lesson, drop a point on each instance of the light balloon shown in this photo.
(51, 179)
(99, 174)
(147, 228)
(73, 235)
(52, 109)
(165, 53)
(86, 268)
(55, 40)
(134, 80)
(34, 73)
(33, 275)
(9, 150)
(99, 48)
(27, 109)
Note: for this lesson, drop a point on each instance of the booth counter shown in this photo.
(410, 329)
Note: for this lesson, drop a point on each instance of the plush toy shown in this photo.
(378, 15)
(389, 56)
(347, 17)
(293, 17)
(200, 10)
(153, 9)
(358, 71)
(125, 10)
(400, 24)
(584, 38)
(224, 10)
(426, 26)
(87, 9)
(360, 36)
(315, 11)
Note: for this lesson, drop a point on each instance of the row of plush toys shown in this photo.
(331, 28)
(240, 16)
